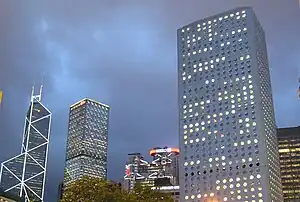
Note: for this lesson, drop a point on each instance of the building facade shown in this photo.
(7, 197)
(87, 141)
(159, 174)
(289, 151)
(24, 175)
(228, 140)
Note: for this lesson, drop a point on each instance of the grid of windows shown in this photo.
(289, 150)
(226, 128)
(87, 140)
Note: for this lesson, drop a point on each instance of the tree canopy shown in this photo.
(89, 189)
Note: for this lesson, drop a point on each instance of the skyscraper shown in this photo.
(289, 150)
(25, 174)
(228, 140)
(87, 141)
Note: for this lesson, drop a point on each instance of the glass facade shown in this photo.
(24, 175)
(227, 132)
(289, 150)
(87, 140)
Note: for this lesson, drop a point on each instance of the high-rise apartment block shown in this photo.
(289, 150)
(24, 175)
(87, 141)
(228, 140)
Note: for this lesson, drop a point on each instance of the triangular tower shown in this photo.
(25, 174)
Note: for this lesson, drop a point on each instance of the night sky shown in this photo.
(121, 53)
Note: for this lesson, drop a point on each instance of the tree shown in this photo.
(145, 194)
(90, 189)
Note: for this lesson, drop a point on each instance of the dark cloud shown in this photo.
(122, 53)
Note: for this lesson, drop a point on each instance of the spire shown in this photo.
(38, 96)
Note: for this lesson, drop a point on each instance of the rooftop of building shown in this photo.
(217, 15)
(91, 100)
(288, 132)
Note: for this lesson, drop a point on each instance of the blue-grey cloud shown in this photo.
(122, 53)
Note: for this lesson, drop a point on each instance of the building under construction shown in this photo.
(162, 173)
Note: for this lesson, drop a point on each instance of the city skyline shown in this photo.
(77, 66)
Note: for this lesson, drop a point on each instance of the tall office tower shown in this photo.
(25, 174)
(87, 141)
(289, 151)
(228, 140)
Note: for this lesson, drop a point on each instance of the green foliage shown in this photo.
(145, 194)
(90, 189)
